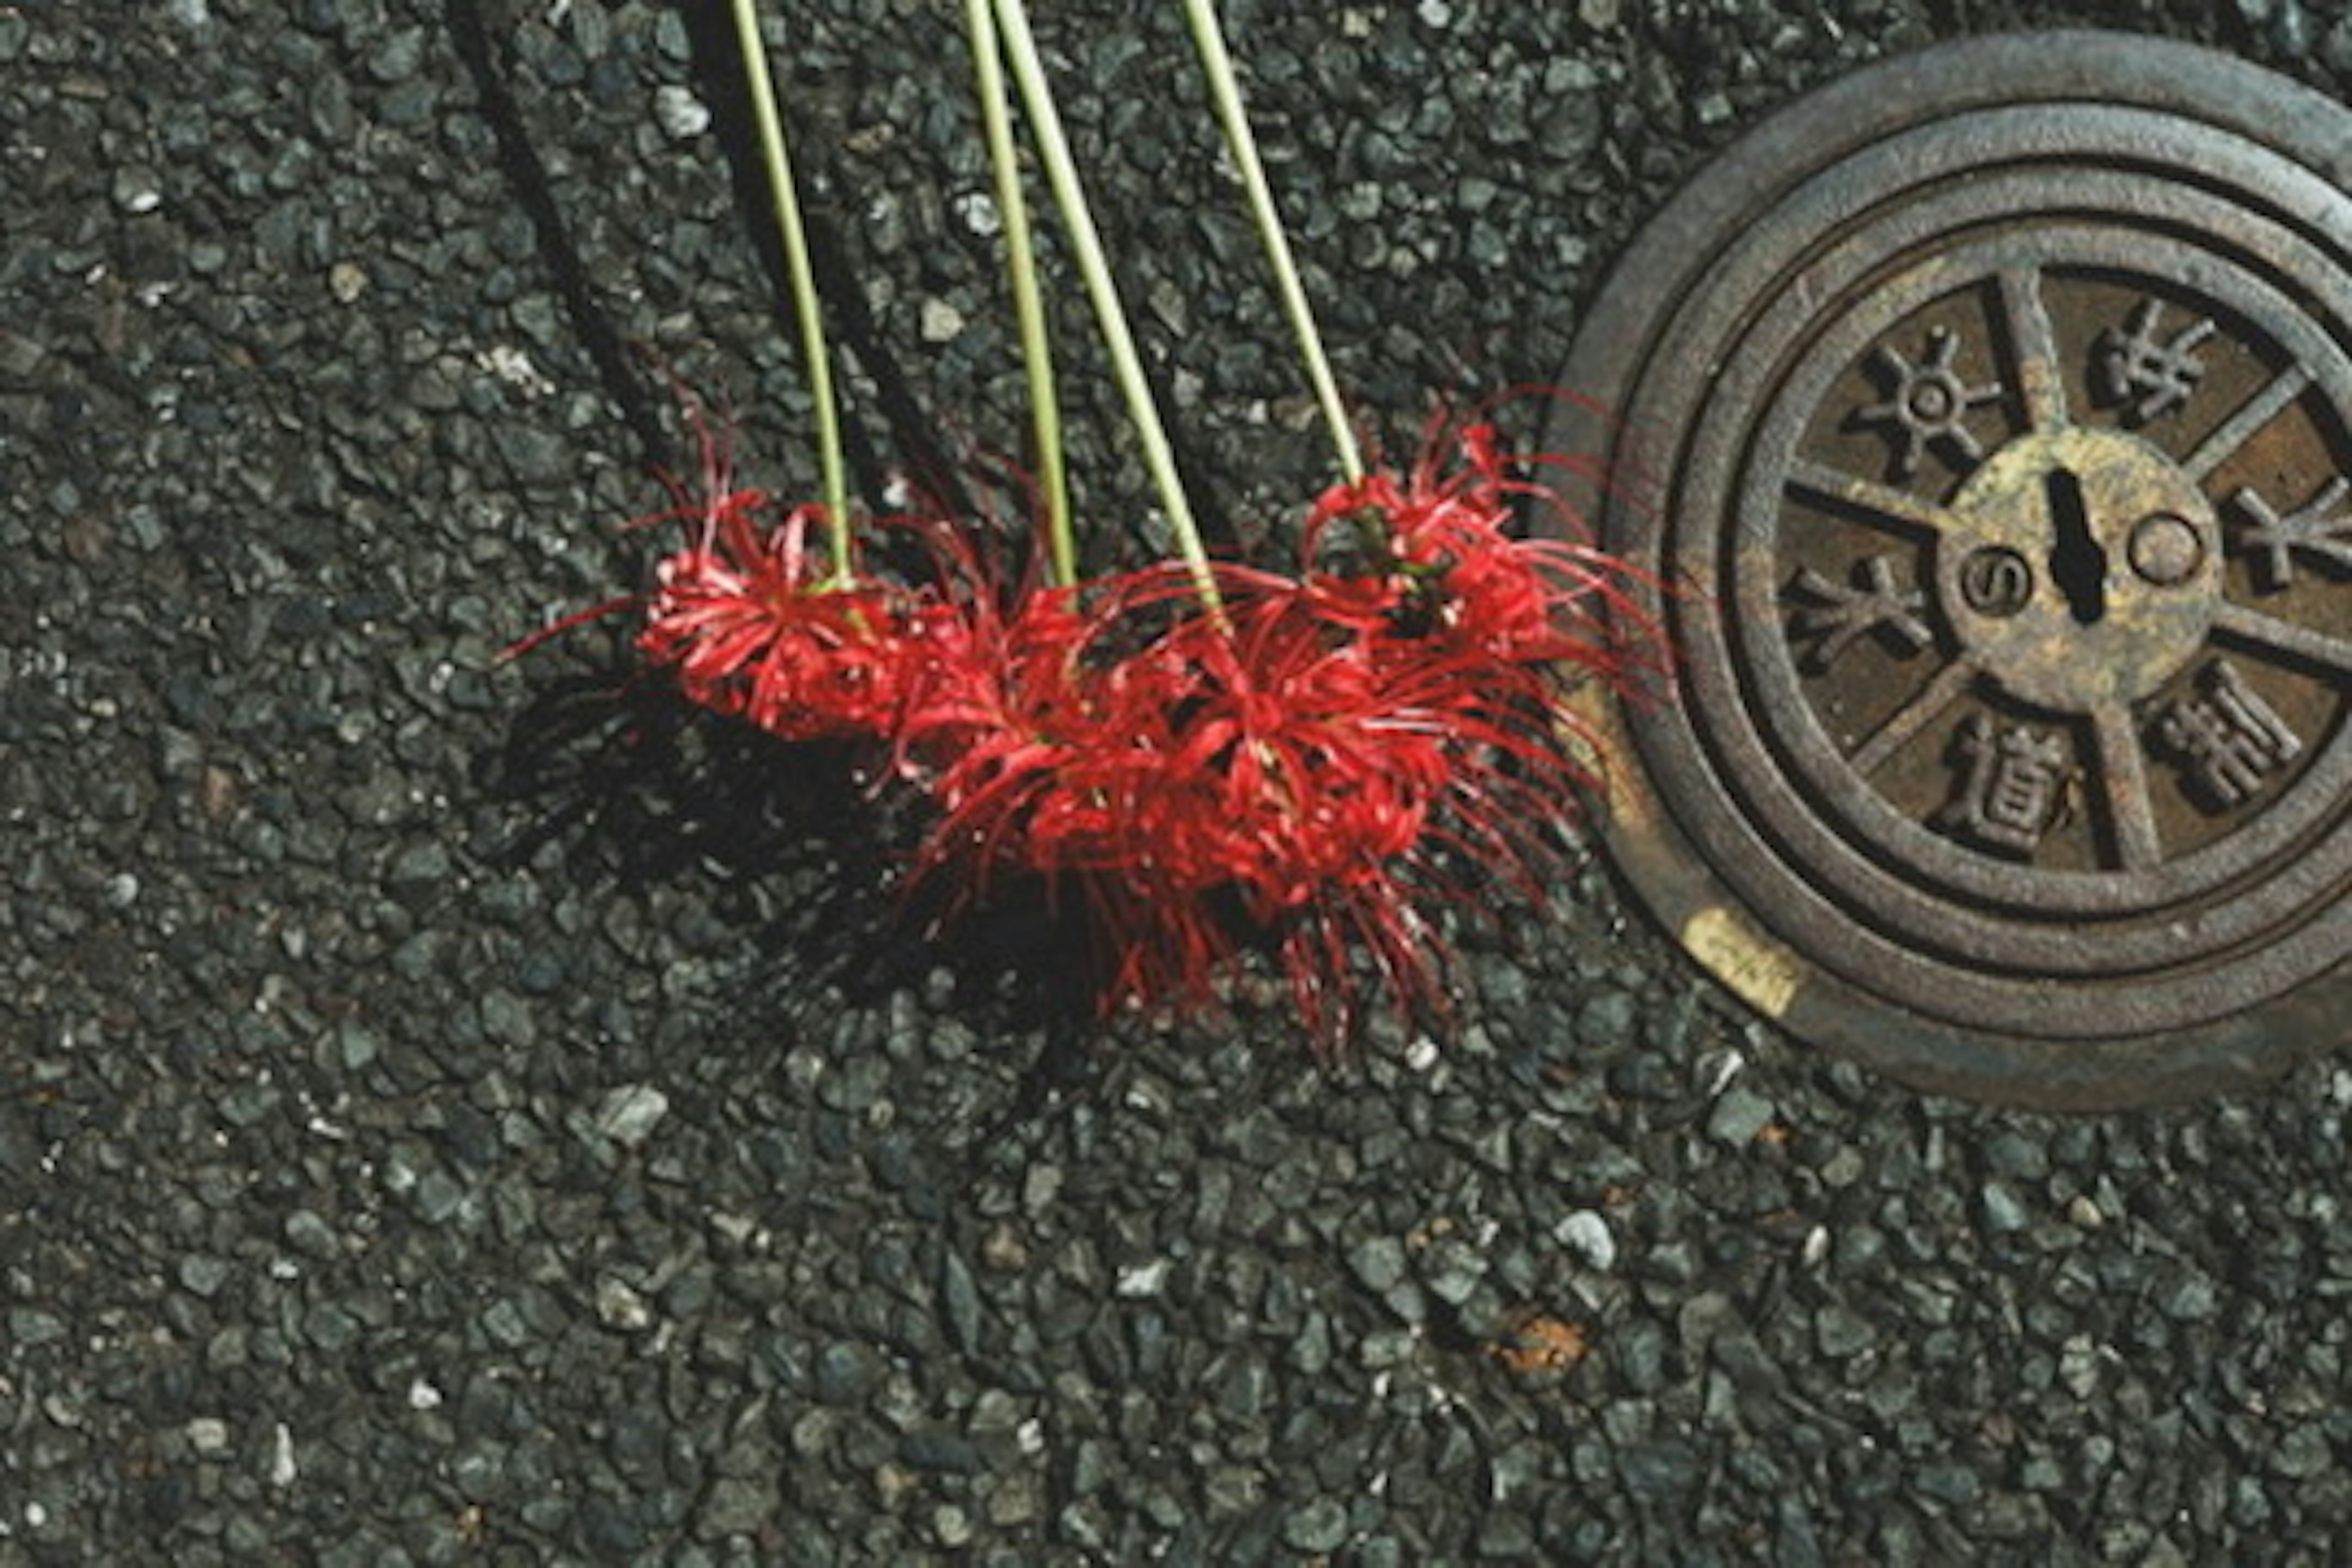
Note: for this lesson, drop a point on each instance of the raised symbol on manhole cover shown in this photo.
(1988, 419)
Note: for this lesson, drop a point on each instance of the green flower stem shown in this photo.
(1028, 306)
(786, 196)
(1070, 197)
(1224, 89)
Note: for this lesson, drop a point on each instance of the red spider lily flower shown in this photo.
(1436, 774)
(1287, 768)
(1041, 730)
(1035, 743)
(1302, 781)
(1435, 551)
(755, 624)
(754, 629)
(996, 724)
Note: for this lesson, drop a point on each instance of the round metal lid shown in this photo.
(1985, 423)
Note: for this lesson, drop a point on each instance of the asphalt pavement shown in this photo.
(464, 1111)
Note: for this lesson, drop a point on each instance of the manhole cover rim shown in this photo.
(1642, 305)
(1801, 139)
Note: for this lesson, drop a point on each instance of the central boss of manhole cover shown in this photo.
(1986, 421)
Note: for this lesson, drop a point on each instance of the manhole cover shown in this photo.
(1992, 419)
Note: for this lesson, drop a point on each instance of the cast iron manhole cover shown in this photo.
(1992, 419)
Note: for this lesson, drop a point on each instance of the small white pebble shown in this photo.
(2078, 1366)
(1421, 1054)
(1726, 1068)
(1145, 1279)
(978, 213)
(1587, 1235)
(941, 322)
(619, 1306)
(513, 366)
(208, 1434)
(282, 1469)
(423, 1396)
(628, 1114)
(678, 111)
(1816, 1250)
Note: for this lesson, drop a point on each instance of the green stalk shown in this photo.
(1225, 88)
(786, 197)
(1070, 197)
(1028, 306)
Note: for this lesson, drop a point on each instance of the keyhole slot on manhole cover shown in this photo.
(2077, 562)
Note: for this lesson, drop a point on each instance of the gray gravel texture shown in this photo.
(451, 1113)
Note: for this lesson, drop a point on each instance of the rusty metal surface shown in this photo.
(1988, 420)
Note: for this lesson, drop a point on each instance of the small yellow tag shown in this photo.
(1759, 969)
(1593, 731)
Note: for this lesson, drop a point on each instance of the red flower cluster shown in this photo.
(1314, 765)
